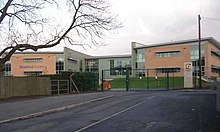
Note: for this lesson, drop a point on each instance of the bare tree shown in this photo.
(28, 25)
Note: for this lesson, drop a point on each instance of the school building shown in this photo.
(41, 63)
(171, 56)
(44, 63)
(162, 57)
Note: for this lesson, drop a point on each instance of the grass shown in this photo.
(151, 82)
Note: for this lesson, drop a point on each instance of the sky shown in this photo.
(157, 21)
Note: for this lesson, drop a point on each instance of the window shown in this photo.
(33, 59)
(140, 55)
(215, 54)
(32, 73)
(167, 54)
(121, 67)
(119, 63)
(127, 64)
(214, 69)
(194, 51)
(81, 66)
(7, 68)
(195, 67)
(92, 65)
(59, 67)
(112, 70)
(167, 70)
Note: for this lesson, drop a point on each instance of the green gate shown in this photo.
(143, 79)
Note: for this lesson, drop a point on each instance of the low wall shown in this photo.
(25, 86)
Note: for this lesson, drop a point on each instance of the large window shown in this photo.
(33, 59)
(167, 70)
(120, 67)
(7, 68)
(167, 54)
(140, 63)
(194, 52)
(59, 67)
(92, 65)
(194, 57)
(140, 55)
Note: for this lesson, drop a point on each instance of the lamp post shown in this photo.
(200, 72)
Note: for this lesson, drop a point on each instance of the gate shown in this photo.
(144, 79)
(59, 87)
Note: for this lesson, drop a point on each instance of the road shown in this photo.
(131, 111)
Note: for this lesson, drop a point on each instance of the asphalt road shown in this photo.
(131, 111)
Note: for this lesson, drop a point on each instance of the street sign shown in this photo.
(188, 79)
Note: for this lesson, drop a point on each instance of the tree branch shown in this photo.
(4, 11)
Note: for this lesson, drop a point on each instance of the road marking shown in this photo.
(53, 110)
(131, 107)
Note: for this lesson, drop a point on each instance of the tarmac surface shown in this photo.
(114, 111)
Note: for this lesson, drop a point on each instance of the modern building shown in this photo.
(171, 56)
(41, 63)
(161, 58)
(114, 66)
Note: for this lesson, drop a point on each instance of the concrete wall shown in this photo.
(25, 86)
(72, 60)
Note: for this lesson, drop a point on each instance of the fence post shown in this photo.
(167, 80)
(102, 80)
(147, 79)
(173, 80)
(58, 87)
(218, 95)
(127, 79)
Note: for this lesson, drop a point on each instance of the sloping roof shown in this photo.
(210, 39)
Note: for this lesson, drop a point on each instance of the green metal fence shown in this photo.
(86, 81)
(143, 79)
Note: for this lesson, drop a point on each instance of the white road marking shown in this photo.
(131, 107)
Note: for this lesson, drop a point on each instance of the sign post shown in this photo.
(188, 79)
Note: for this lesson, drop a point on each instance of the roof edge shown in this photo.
(211, 39)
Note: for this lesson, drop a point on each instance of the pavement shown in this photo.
(27, 108)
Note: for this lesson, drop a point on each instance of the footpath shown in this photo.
(18, 110)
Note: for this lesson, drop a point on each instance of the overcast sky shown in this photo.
(156, 21)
